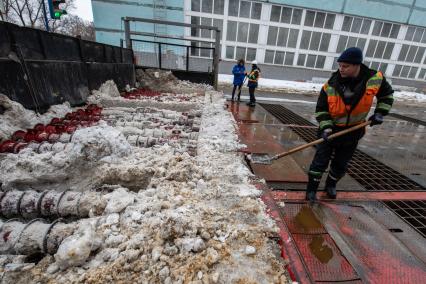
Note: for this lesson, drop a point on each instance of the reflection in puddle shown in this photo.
(322, 251)
(307, 220)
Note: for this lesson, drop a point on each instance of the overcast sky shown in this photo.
(83, 9)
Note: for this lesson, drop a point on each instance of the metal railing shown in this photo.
(172, 56)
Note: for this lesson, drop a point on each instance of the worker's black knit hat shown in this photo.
(351, 55)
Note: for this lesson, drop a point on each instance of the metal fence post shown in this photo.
(127, 33)
(159, 55)
(187, 58)
(216, 57)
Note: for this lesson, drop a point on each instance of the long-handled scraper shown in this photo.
(267, 160)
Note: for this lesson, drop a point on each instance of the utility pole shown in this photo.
(46, 22)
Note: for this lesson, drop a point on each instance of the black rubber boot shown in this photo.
(311, 189)
(330, 187)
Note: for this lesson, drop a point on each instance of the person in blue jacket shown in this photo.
(239, 72)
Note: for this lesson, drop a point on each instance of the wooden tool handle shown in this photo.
(318, 141)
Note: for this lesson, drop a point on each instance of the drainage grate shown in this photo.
(369, 172)
(407, 118)
(413, 212)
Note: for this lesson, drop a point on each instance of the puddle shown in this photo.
(321, 251)
(307, 220)
(309, 223)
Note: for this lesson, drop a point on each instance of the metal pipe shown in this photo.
(30, 204)
(35, 236)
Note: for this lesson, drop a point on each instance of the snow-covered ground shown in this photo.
(170, 217)
(293, 86)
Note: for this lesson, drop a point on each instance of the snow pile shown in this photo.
(16, 117)
(183, 100)
(107, 90)
(292, 86)
(277, 84)
(76, 249)
(410, 96)
(89, 148)
(170, 217)
(166, 82)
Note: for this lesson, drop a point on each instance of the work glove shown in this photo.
(376, 119)
(326, 133)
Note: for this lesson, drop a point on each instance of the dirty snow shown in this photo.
(170, 217)
(16, 117)
(293, 86)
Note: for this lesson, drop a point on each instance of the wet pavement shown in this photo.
(351, 240)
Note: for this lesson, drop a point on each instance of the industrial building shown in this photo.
(296, 40)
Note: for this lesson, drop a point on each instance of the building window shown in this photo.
(311, 61)
(411, 53)
(284, 37)
(356, 25)
(286, 15)
(207, 6)
(241, 53)
(230, 52)
(231, 34)
(315, 41)
(246, 32)
(269, 56)
(319, 19)
(380, 49)
(219, 6)
(384, 29)
(233, 8)
(251, 54)
(416, 34)
(349, 41)
(195, 51)
(405, 71)
(194, 31)
(254, 33)
(196, 5)
(379, 66)
(201, 49)
(204, 32)
(422, 74)
(245, 9)
(256, 10)
(279, 57)
(242, 34)
(248, 54)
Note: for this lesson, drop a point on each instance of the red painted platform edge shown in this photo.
(354, 195)
(295, 265)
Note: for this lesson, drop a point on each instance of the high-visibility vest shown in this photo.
(253, 76)
(341, 114)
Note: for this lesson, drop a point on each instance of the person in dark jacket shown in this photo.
(253, 78)
(239, 72)
(345, 100)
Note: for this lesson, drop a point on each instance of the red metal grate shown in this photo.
(377, 256)
(370, 173)
(323, 259)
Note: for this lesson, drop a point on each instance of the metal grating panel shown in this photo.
(369, 172)
(323, 259)
(413, 212)
(407, 118)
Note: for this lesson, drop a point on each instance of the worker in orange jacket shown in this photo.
(345, 100)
